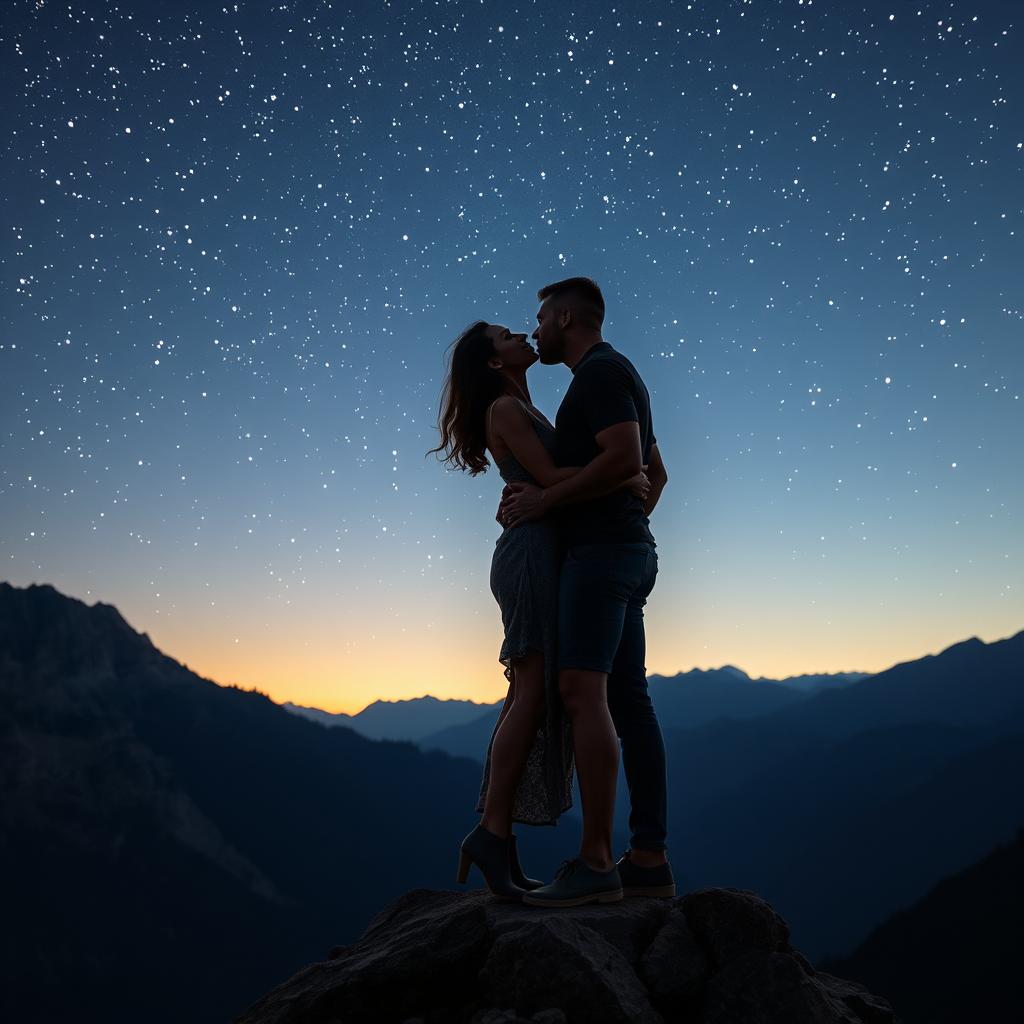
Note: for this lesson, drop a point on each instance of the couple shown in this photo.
(571, 573)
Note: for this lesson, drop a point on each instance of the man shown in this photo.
(604, 425)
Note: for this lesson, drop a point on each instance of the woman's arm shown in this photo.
(511, 423)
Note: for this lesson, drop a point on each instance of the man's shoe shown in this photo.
(577, 883)
(641, 881)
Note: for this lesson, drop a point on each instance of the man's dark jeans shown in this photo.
(602, 594)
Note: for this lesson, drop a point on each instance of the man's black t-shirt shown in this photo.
(605, 390)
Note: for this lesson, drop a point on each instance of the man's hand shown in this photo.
(506, 493)
(639, 486)
(520, 503)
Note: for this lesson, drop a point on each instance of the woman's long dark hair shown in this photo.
(469, 388)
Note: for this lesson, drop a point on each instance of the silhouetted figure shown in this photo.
(604, 424)
(486, 407)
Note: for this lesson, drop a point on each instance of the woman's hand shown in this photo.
(639, 486)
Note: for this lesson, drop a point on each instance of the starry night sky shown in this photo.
(238, 238)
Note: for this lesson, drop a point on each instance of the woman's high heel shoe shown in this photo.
(516, 872)
(490, 853)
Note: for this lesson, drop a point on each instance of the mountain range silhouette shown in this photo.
(159, 826)
(966, 930)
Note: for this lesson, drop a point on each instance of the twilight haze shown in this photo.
(238, 239)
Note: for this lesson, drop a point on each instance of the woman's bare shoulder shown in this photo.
(508, 411)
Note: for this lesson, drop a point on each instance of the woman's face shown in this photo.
(513, 351)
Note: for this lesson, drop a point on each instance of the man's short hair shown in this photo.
(581, 295)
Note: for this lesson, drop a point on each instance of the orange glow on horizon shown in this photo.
(318, 677)
(343, 660)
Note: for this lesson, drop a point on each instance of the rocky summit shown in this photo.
(714, 956)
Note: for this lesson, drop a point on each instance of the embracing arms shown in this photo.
(511, 423)
(617, 461)
(605, 399)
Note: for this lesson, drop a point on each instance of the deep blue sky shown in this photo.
(237, 240)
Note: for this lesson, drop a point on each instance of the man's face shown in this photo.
(549, 335)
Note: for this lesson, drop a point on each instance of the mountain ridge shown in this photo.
(161, 825)
(142, 793)
(964, 928)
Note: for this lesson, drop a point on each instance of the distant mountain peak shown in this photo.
(410, 719)
(39, 616)
(733, 670)
(427, 698)
(35, 593)
(970, 644)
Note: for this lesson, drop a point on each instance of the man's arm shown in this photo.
(620, 459)
(607, 405)
(658, 476)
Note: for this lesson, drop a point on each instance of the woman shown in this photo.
(527, 776)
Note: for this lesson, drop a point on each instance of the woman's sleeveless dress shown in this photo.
(525, 569)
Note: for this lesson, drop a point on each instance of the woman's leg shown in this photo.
(517, 726)
(506, 704)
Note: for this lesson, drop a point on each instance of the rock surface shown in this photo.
(715, 955)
